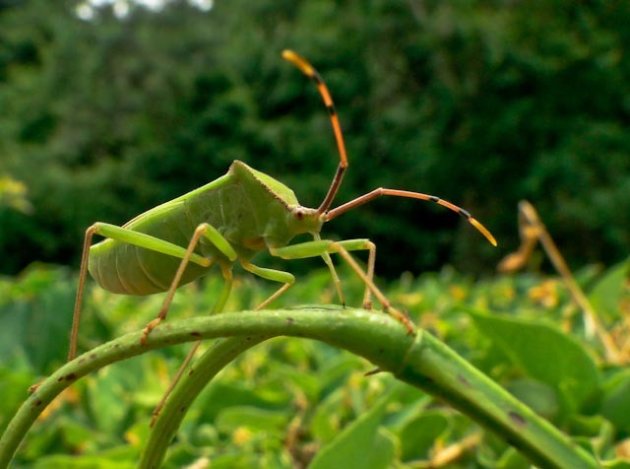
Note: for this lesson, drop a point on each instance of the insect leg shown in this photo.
(226, 270)
(85, 255)
(270, 274)
(383, 191)
(127, 236)
(211, 234)
(316, 248)
(333, 272)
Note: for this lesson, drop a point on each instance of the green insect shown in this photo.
(228, 221)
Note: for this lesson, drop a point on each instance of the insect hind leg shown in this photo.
(128, 236)
(85, 255)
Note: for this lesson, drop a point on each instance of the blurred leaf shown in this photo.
(358, 445)
(253, 419)
(221, 395)
(419, 436)
(540, 397)
(13, 194)
(611, 291)
(42, 299)
(14, 383)
(84, 462)
(615, 405)
(546, 354)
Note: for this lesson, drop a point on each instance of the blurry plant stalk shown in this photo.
(532, 230)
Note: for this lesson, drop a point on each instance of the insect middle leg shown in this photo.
(285, 278)
(226, 271)
(211, 234)
(319, 247)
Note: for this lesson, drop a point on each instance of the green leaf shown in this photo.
(253, 418)
(220, 395)
(418, 437)
(359, 445)
(616, 400)
(616, 464)
(540, 397)
(608, 294)
(546, 354)
(84, 462)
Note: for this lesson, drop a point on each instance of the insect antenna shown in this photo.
(307, 69)
(334, 213)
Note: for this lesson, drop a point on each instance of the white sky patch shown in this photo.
(88, 9)
(84, 11)
(121, 8)
(203, 5)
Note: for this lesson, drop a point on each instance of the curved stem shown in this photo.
(184, 394)
(422, 361)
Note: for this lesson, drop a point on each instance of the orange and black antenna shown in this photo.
(310, 72)
(334, 213)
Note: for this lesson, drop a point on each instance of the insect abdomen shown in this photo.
(123, 268)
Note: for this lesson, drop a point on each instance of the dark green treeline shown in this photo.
(481, 103)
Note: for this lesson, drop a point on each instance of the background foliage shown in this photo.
(290, 402)
(482, 103)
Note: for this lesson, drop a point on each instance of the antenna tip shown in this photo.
(288, 54)
(484, 231)
(298, 61)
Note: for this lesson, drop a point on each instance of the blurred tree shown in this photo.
(480, 103)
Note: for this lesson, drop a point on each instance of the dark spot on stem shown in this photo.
(70, 377)
(463, 380)
(517, 418)
(195, 334)
(290, 321)
(37, 403)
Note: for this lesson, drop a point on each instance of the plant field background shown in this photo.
(287, 400)
(111, 107)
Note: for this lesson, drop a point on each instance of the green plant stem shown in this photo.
(192, 383)
(422, 361)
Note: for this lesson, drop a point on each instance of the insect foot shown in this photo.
(147, 330)
(402, 318)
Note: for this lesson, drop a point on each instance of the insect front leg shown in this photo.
(319, 247)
